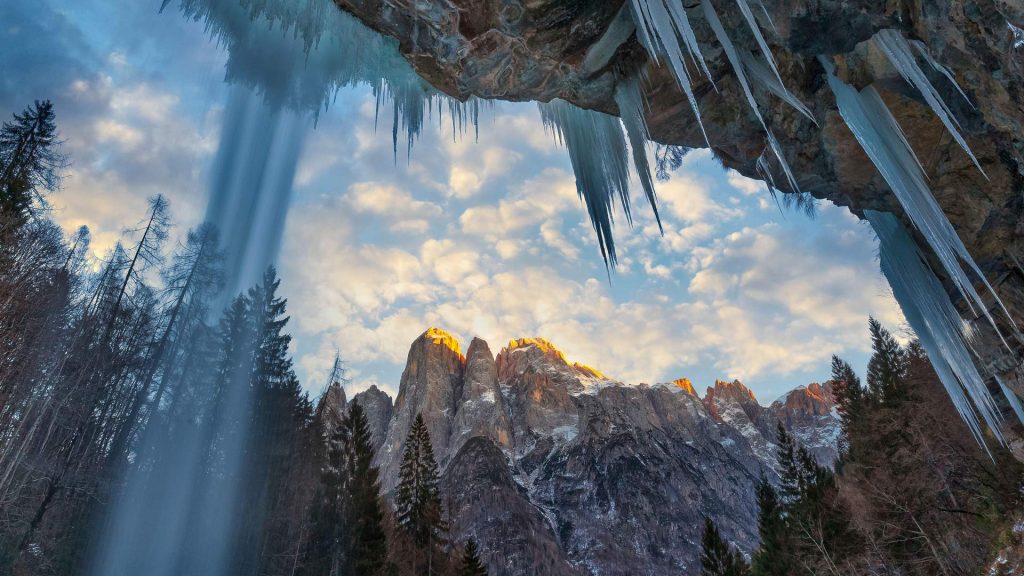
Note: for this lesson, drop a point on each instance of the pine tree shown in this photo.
(888, 366)
(367, 546)
(30, 161)
(790, 476)
(471, 563)
(418, 501)
(324, 550)
(773, 556)
(718, 558)
(849, 398)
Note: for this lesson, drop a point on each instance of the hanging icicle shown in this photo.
(660, 24)
(764, 76)
(898, 50)
(632, 107)
(883, 141)
(737, 65)
(943, 334)
(597, 151)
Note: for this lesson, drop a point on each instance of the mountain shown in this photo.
(555, 468)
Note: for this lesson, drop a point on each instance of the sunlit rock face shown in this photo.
(377, 406)
(431, 385)
(557, 469)
(577, 50)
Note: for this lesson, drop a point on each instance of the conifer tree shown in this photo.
(471, 563)
(324, 546)
(718, 558)
(367, 546)
(418, 501)
(887, 367)
(773, 556)
(790, 475)
(849, 398)
(30, 161)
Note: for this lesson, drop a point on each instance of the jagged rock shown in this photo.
(567, 471)
(809, 413)
(578, 50)
(377, 405)
(431, 385)
(481, 408)
(331, 408)
(488, 505)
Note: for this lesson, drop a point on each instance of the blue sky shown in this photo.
(482, 237)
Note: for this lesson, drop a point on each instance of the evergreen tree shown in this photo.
(418, 501)
(888, 366)
(30, 161)
(773, 556)
(790, 475)
(718, 558)
(367, 547)
(849, 398)
(471, 563)
(324, 550)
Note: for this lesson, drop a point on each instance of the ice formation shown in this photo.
(942, 332)
(887, 147)
(741, 77)
(770, 81)
(632, 104)
(899, 52)
(659, 24)
(597, 151)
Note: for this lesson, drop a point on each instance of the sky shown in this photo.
(480, 236)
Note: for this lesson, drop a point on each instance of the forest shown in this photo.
(112, 372)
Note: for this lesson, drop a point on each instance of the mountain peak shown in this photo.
(541, 344)
(440, 337)
(686, 385)
(734, 389)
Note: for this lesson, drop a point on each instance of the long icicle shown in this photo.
(630, 98)
(877, 131)
(929, 311)
(898, 50)
(737, 65)
(597, 151)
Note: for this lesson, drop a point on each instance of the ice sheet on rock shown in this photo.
(734, 59)
(1018, 35)
(632, 104)
(597, 151)
(942, 332)
(898, 50)
(878, 133)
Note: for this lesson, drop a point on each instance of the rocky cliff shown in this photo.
(558, 469)
(580, 50)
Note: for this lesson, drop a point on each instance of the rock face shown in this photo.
(557, 469)
(377, 405)
(578, 50)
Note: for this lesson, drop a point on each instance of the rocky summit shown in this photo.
(557, 469)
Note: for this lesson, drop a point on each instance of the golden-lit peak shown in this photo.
(686, 385)
(588, 370)
(541, 344)
(440, 337)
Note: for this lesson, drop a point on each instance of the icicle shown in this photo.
(756, 30)
(923, 51)
(659, 25)
(630, 98)
(936, 322)
(897, 49)
(1018, 35)
(597, 150)
(878, 133)
(737, 65)
(768, 80)
(1012, 399)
